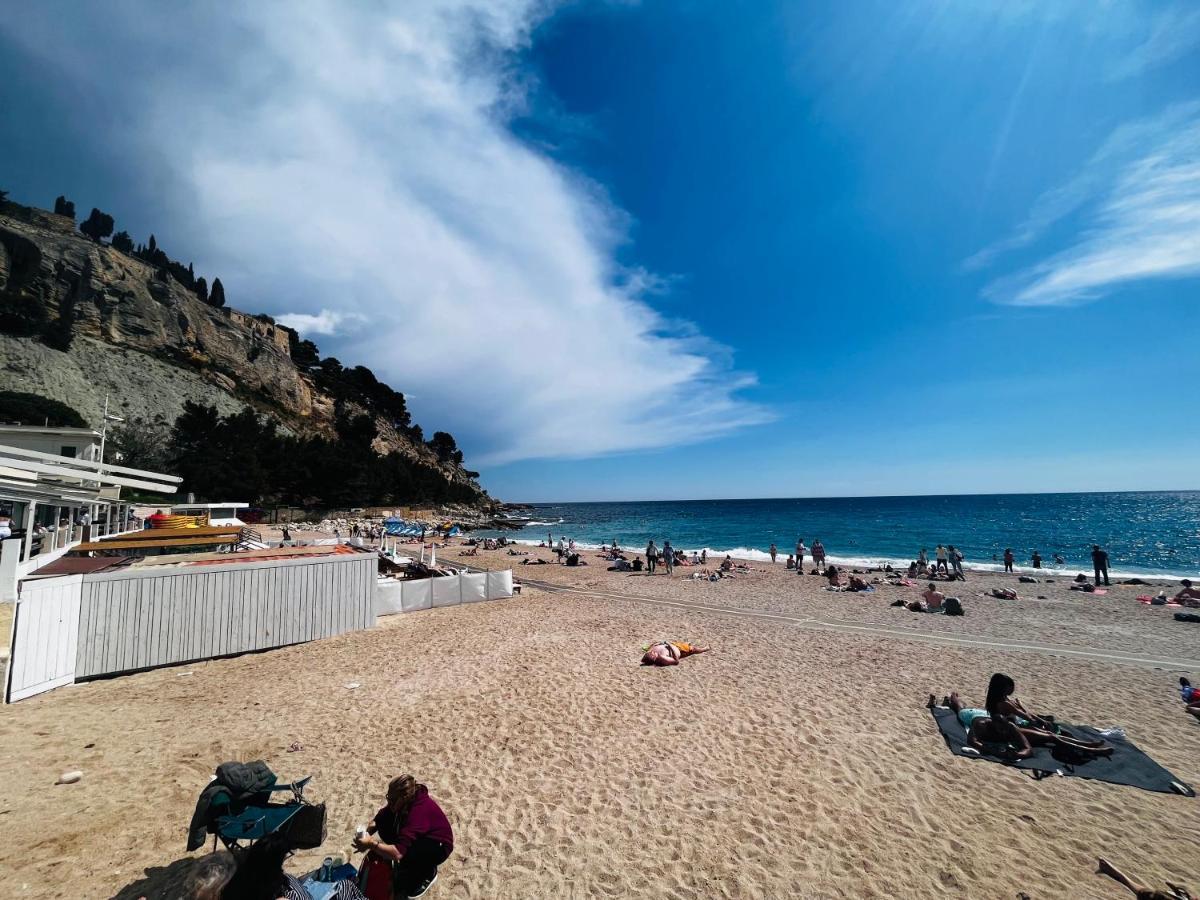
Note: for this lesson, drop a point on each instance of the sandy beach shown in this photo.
(796, 759)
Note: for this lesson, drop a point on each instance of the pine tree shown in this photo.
(123, 242)
(216, 296)
(98, 225)
(64, 207)
(202, 289)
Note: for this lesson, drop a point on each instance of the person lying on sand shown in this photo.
(1039, 730)
(669, 653)
(858, 584)
(995, 737)
(534, 562)
(1140, 890)
(1004, 594)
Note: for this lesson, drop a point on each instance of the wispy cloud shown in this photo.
(330, 158)
(1138, 206)
(1173, 31)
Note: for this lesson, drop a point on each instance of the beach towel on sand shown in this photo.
(1128, 764)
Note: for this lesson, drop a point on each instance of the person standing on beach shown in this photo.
(800, 551)
(1036, 559)
(668, 557)
(651, 557)
(1100, 563)
(940, 552)
(773, 551)
(1008, 559)
(956, 561)
(818, 554)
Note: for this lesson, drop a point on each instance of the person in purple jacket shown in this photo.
(412, 833)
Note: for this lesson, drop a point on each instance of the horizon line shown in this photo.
(861, 497)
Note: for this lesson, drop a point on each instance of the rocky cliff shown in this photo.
(79, 319)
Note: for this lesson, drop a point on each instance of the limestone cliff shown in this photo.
(132, 331)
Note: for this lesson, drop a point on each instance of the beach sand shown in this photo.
(796, 759)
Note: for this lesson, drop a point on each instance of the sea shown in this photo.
(1155, 534)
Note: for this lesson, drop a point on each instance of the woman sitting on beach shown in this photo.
(832, 573)
(1189, 596)
(996, 737)
(410, 835)
(669, 653)
(1041, 731)
(727, 564)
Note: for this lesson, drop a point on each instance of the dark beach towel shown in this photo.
(1128, 764)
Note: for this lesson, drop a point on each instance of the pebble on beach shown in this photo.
(69, 777)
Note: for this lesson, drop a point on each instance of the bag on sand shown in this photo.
(952, 607)
(375, 879)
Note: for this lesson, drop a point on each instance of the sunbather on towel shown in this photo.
(669, 653)
(1041, 732)
(1004, 594)
(996, 737)
(1139, 890)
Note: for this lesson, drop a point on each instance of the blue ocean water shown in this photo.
(1144, 533)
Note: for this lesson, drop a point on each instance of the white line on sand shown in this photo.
(902, 633)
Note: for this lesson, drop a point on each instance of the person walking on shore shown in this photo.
(668, 557)
(1100, 563)
(1008, 559)
(956, 561)
(1036, 559)
(818, 554)
(651, 557)
(940, 552)
(773, 551)
(800, 551)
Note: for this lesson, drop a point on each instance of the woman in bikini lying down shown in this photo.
(669, 653)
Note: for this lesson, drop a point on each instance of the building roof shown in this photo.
(45, 429)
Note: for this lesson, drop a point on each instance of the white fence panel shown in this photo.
(474, 586)
(44, 634)
(446, 591)
(499, 584)
(388, 597)
(416, 595)
(144, 619)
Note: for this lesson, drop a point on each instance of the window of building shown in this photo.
(72, 452)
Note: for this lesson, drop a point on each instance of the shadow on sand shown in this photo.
(171, 882)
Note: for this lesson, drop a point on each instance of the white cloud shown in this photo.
(327, 322)
(1139, 202)
(335, 159)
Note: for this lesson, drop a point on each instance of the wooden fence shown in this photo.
(83, 626)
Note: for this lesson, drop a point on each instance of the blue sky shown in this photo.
(675, 250)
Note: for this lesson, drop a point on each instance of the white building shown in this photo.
(49, 502)
(72, 443)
